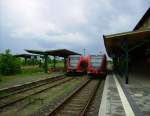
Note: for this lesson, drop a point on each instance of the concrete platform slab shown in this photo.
(111, 104)
(139, 89)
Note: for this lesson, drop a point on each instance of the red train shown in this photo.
(97, 65)
(92, 65)
(76, 64)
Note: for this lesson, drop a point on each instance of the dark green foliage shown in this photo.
(9, 64)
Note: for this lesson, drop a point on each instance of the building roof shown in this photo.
(142, 20)
(57, 52)
(114, 42)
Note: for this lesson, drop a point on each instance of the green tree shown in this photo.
(9, 64)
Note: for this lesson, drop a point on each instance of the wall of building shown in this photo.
(140, 60)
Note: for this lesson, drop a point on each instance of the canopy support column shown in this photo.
(65, 63)
(54, 62)
(114, 63)
(126, 67)
(125, 49)
(25, 60)
(45, 63)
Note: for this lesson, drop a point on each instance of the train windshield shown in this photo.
(96, 61)
(74, 61)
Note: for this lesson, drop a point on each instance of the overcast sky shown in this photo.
(69, 24)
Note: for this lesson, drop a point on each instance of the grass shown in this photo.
(49, 96)
(58, 64)
(34, 103)
(28, 71)
(32, 69)
(3, 93)
(28, 74)
(23, 73)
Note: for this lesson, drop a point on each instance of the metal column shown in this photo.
(45, 63)
(65, 63)
(54, 62)
(126, 67)
(126, 51)
(25, 60)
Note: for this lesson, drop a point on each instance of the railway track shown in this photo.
(20, 88)
(24, 93)
(77, 103)
(94, 106)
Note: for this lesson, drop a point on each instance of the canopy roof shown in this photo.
(114, 42)
(58, 52)
(35, 52)
(61, 52)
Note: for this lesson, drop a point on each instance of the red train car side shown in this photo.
(76, 64)
(97, 65)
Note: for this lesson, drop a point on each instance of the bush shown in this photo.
(9, 64)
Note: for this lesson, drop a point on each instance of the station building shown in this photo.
(130, 51)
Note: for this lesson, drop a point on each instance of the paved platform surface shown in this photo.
(115, 101)
(13, 80)
(139, 89)
(111, 103)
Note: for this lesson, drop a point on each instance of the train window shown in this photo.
(96, 61)
(74, 61)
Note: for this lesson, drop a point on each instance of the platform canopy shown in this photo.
(24, 55)
(61, 52)
(35, 51)
(57, 52)
(115, 42)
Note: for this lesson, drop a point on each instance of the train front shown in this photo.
(97, 65)
(72, 64)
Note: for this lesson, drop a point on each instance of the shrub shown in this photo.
(9, 64)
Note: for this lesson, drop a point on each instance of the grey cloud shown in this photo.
(71, 24)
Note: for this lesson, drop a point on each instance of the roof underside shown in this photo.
(113, 43)
(61, 52)
(35, 52)
(24, 55)
(58, 52)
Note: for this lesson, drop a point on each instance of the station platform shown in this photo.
(139, 89)
(120, 99)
